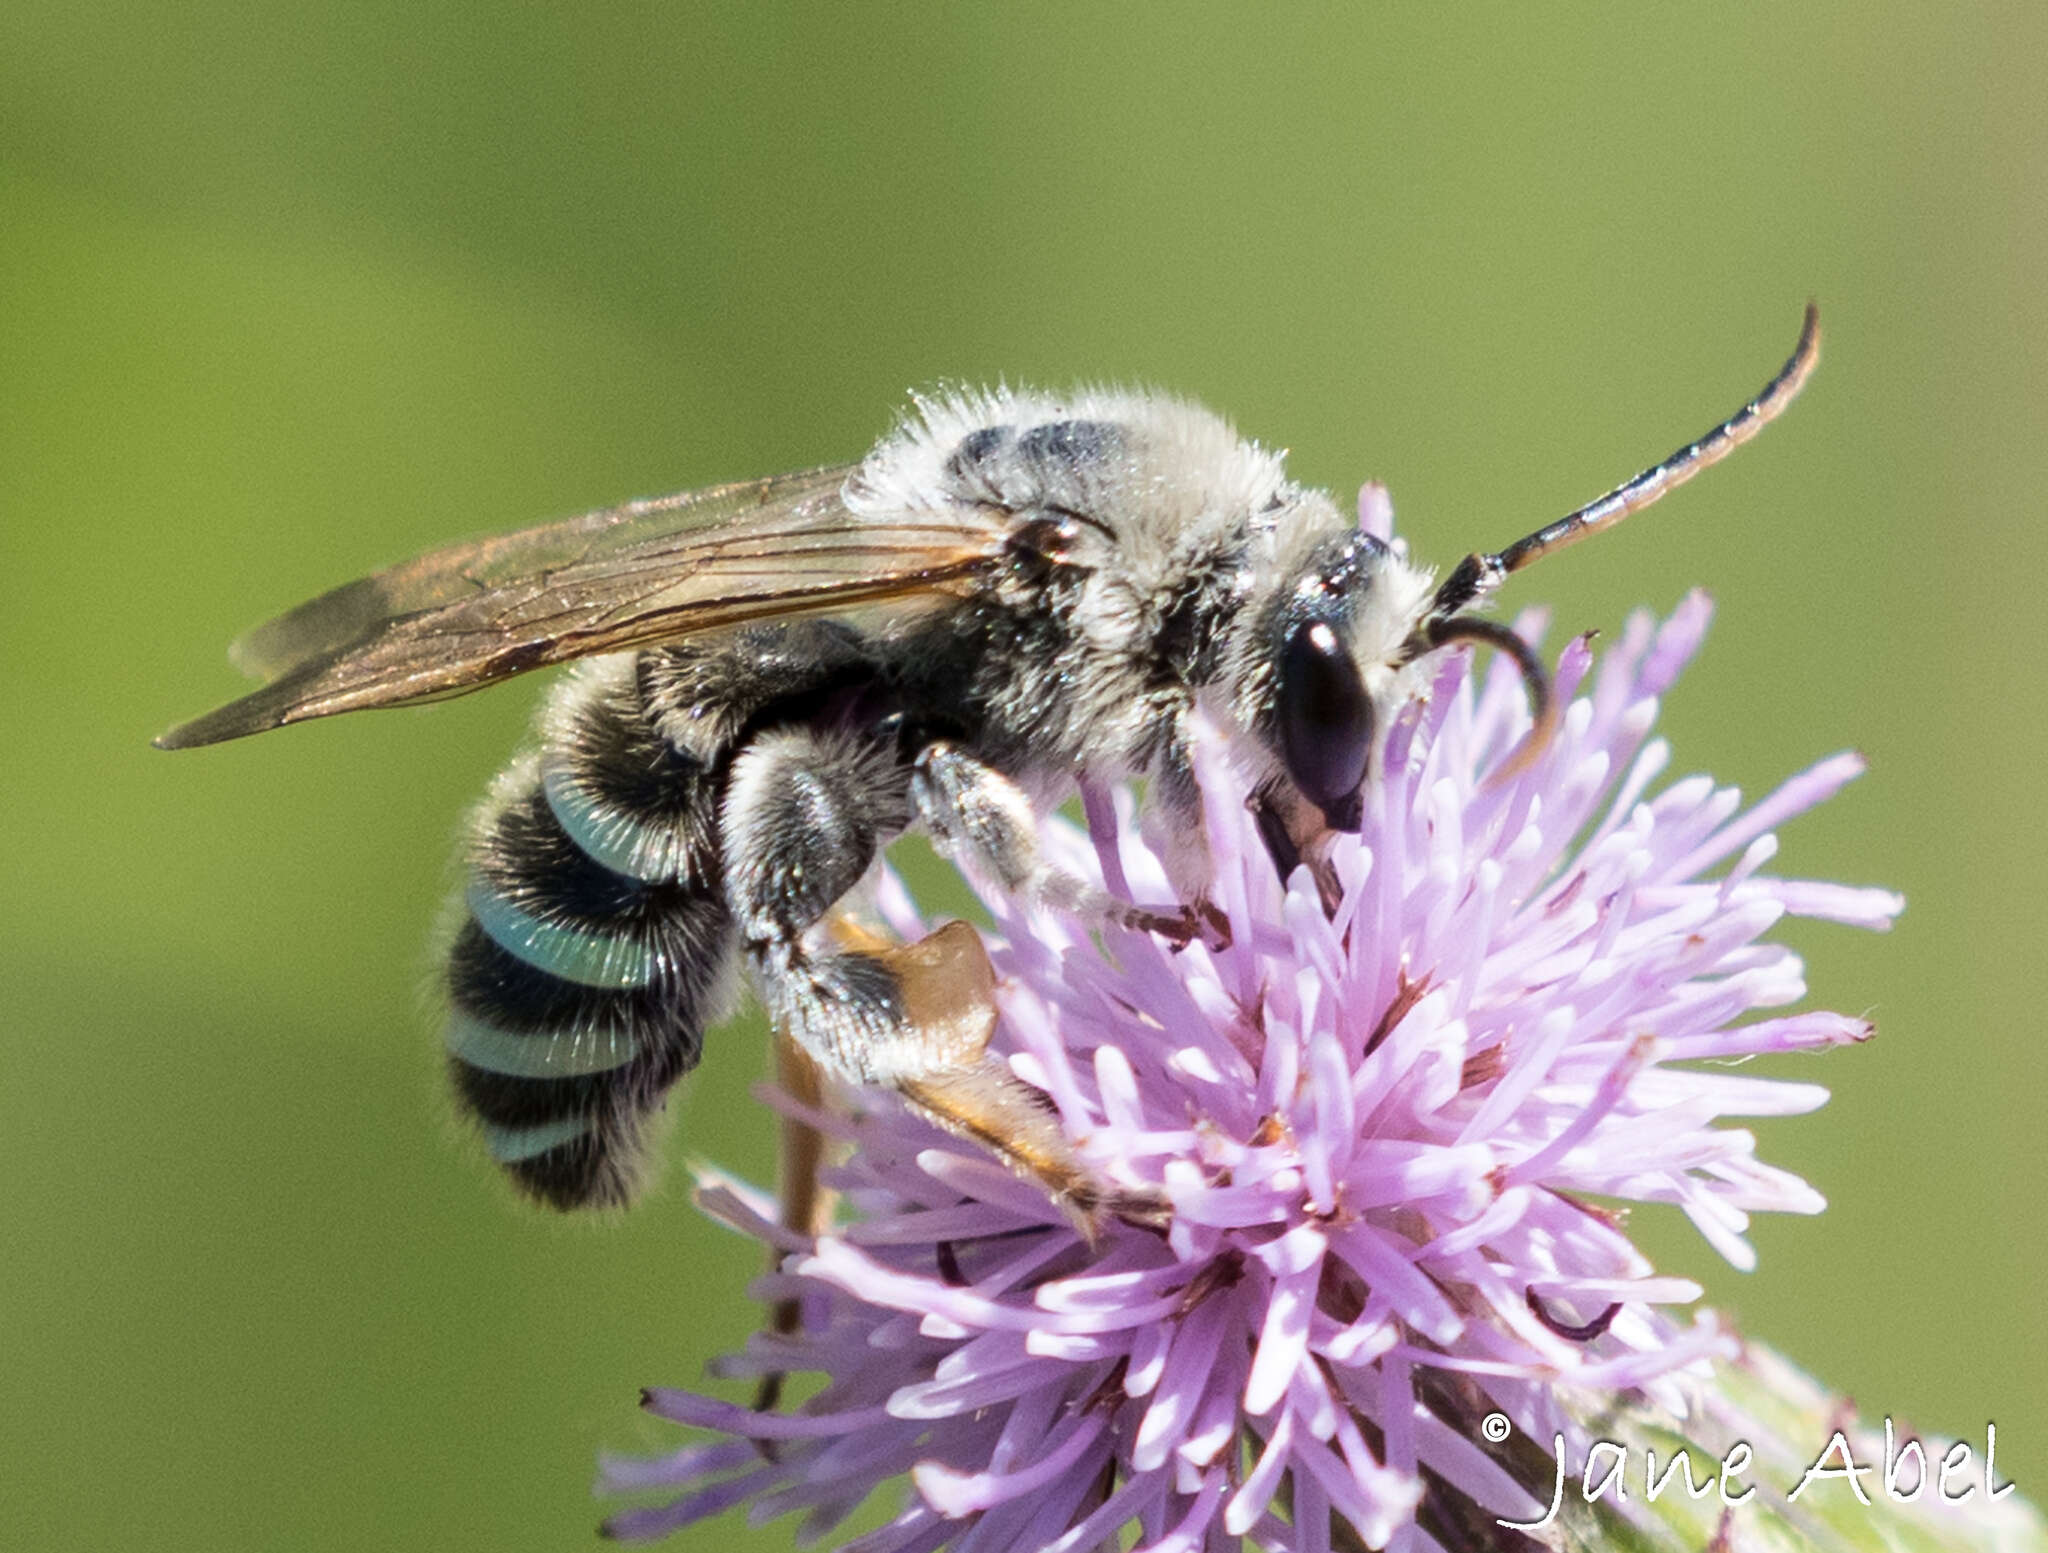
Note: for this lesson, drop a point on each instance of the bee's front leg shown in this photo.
(978, 816)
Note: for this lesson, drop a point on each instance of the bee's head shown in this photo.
(1340, 643)
(1344, 617)
(1320, 669)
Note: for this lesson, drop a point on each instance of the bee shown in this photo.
(1012, 593)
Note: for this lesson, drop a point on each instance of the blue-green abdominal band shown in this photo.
(607, 835)
(586, 957)
(545, 1054)
(508, 1145)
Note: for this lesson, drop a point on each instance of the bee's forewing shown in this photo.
(644, 572)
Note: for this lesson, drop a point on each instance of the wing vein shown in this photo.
(645, 572)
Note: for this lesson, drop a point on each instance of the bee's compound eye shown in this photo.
(1324, 719)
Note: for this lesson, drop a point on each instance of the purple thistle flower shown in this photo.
(1382, 1133)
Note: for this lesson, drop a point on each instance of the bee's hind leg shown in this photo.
(805, 812)
(946, 1071)
(806, 1204)
(939, 996)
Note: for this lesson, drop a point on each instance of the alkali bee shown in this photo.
(1012, 591)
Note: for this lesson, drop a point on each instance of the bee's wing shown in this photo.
(648, 571)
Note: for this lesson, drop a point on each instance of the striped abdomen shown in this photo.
(595, 943)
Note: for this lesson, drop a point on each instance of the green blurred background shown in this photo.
(289, 291)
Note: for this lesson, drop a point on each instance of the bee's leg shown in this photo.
(1171, 823)
(806, 1203)
(948, 990)
(977, 814)
(805, 813)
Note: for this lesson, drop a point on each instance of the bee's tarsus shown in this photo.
(1200, 919)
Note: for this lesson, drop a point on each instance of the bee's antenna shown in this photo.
(1478, 574)
(1542, 705)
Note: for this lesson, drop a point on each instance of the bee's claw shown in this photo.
(1203, 919)
(1140, 1207)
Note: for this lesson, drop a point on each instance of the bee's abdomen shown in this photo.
(594, 948)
